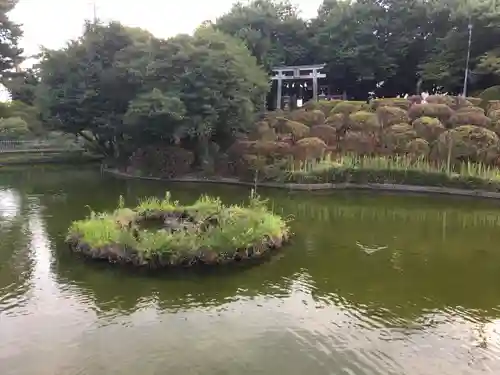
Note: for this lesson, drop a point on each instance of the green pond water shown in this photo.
(371, 284)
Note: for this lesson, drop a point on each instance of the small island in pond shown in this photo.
(163, 233)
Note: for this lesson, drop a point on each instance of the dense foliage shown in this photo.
(128, 92)
(10, 53)
(122, 88)
(400, 45)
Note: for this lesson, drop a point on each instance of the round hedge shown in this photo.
(360, 143)
(392, 102)
(491, 93)
(476, 102)
(346, 108)
(493, 105)
(364, 121)
(439, 111)
(467, 142)
(294, 128)
(471, 109)
(324, 106)
(310, 148)
(418, 147)
(263, 131)
(388, 116)
(396, 138)
(309, 118)
(494, 115)
(326, 133)
(338, 121)
(469, 118)
(428, 128)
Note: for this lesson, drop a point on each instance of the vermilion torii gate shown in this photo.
(296, 73)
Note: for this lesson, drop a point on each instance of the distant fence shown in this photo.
(13, 146)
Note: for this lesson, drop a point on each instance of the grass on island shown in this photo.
(395, 169)
(207, 226)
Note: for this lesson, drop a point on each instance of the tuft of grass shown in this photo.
(394, 163)
(98, 231)
(156, 204)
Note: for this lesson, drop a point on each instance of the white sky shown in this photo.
(52, 22)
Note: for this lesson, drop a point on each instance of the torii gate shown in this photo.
(283, 73)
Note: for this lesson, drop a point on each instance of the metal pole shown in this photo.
(466, 76)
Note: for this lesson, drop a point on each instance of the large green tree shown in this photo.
(22, 85)
(122, 88)
(85, 90)
(445, 65)
(10, 33)
(199, 89)
(272, 30)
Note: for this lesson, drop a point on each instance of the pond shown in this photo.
(371, 284)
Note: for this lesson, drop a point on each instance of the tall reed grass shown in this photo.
(394, 163)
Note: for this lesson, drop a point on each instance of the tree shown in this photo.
(445, 65)
(272, 31)
(122, 88)
(86, 91)
(22, 85)
(204, 88)
(10, 32)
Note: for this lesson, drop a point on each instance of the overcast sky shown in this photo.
(52, 22)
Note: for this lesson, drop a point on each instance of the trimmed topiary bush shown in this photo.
(428, 128)
(491, 93)
(439, 111)
(396, 138)
(294, 128)
(418, 147)
(467, 142)
(324, 106)
(338, 120)
(388, 116)
(263, 132)
(273, 117)
(360, 143)
(309, 118)
(347, 108)
(471, 109)
(270, 149)
(414, 99)
(309, 148)
(441, 99)
(391, 102)
(326, 133)
(469, 118)
(476, 102)
(492, 105)
(494, 115)
(363, 121)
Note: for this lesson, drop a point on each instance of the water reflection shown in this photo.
(427, 301)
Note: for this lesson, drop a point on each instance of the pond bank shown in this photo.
(322, 186)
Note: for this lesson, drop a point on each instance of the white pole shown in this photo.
(466, 76)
